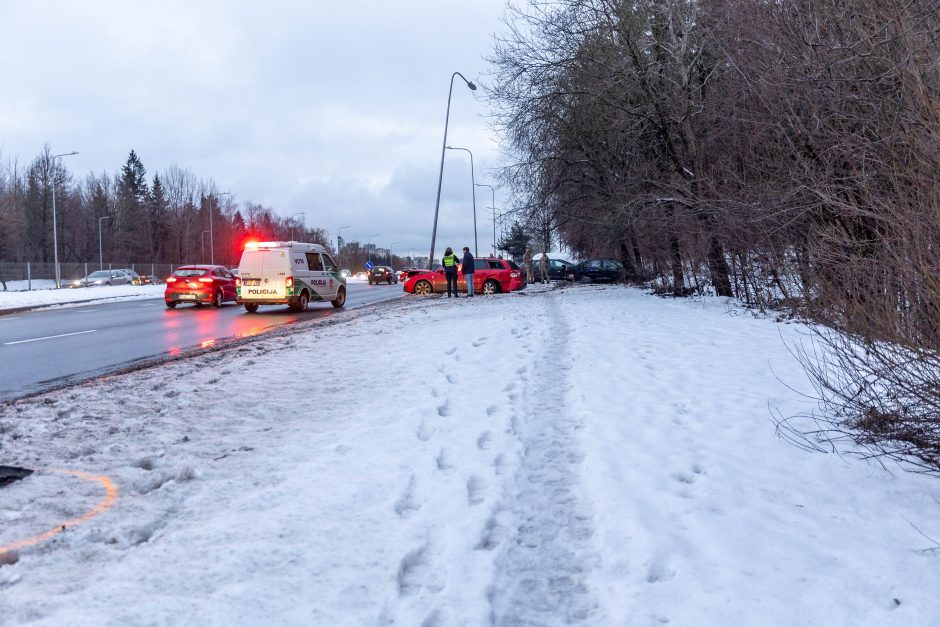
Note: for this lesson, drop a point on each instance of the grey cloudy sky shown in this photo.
(331, 108)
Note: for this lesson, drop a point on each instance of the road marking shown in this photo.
(48, 337)
(85, 310)
(9, 318)
(148, 305)
(109, 500)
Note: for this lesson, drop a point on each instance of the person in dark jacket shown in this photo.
(468, 268)
(450, 270)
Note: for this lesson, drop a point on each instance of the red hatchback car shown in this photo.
(200, 285)
(490, 276)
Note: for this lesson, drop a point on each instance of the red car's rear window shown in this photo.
(189, 272)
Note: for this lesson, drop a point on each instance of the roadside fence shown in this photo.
(29, 275)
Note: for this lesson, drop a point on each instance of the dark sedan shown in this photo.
(597, 271)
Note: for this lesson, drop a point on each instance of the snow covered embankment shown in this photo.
(592, 455)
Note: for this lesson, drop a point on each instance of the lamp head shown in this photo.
(471, 85)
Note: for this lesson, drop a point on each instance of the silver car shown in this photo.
(103, 277)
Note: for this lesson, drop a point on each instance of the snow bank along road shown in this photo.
(585, 456)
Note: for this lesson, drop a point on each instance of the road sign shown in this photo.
(368, 265)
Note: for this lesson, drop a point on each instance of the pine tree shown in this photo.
(516, 242)
(158, 220)
(132, 229)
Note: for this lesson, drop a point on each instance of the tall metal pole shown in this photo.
(55, 231)
(369, 245)
(440, 176)
(100, 253)
(473, 188)
(211, 241)
(303, 216)
(391, 247)
(493, 207)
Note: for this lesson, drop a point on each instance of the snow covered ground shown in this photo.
(586, 455)
(44, 293)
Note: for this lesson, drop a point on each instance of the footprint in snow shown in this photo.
(476, 488)
(485, 441)
(444, 410)
(451, 351)
(479, 342)
(444, 464)
(407, 504)
(451, 378)
(423, 432)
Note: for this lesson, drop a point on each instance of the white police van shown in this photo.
(288, 273)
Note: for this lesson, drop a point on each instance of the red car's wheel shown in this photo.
(490, 287)
(423, 288)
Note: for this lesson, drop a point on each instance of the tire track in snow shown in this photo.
(541, 574)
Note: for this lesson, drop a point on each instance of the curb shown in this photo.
(112, 299)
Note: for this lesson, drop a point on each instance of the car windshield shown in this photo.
(100, 274)
(186, 272)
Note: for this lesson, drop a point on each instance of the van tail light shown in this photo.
(171, 279)
(289, 282)
(238, 282)
(205, 279)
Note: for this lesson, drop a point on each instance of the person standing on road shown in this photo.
(527, 262)
(450, 270)
(543, 268)
(468, 268)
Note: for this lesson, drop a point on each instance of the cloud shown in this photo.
(336, 109)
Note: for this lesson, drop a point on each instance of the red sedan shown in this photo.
(490, 276)
(200, 285)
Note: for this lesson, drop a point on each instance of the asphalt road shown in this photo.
(47, 348)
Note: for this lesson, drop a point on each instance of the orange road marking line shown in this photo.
(107, 503)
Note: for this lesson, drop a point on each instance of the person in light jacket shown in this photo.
(468, 268)
(527, 262)
(543, 267)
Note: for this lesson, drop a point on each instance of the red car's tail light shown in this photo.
(205, 279)
(171, 279)
(289, 282)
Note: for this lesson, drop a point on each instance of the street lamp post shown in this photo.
(369, 245)
(391, 247)
(473, 188)
(440, 176)
(100, 253)
(494, 213)
(339, 236)
(55, 234)
(202, 242)
(303, 216)
(211, 241)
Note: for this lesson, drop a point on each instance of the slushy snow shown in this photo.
(587, 455)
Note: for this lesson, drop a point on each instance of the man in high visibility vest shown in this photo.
(450, 270)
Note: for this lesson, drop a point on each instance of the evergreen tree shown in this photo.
(158, 220)
(131, 225)
(516, 241)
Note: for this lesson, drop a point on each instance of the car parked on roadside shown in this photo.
(597, 271)
(490, 276)
(134, 277)
(558, 269)
(382, 274)
(404, 275)
(102, 277)
(200, 285)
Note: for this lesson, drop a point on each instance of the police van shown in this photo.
(288, 273)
